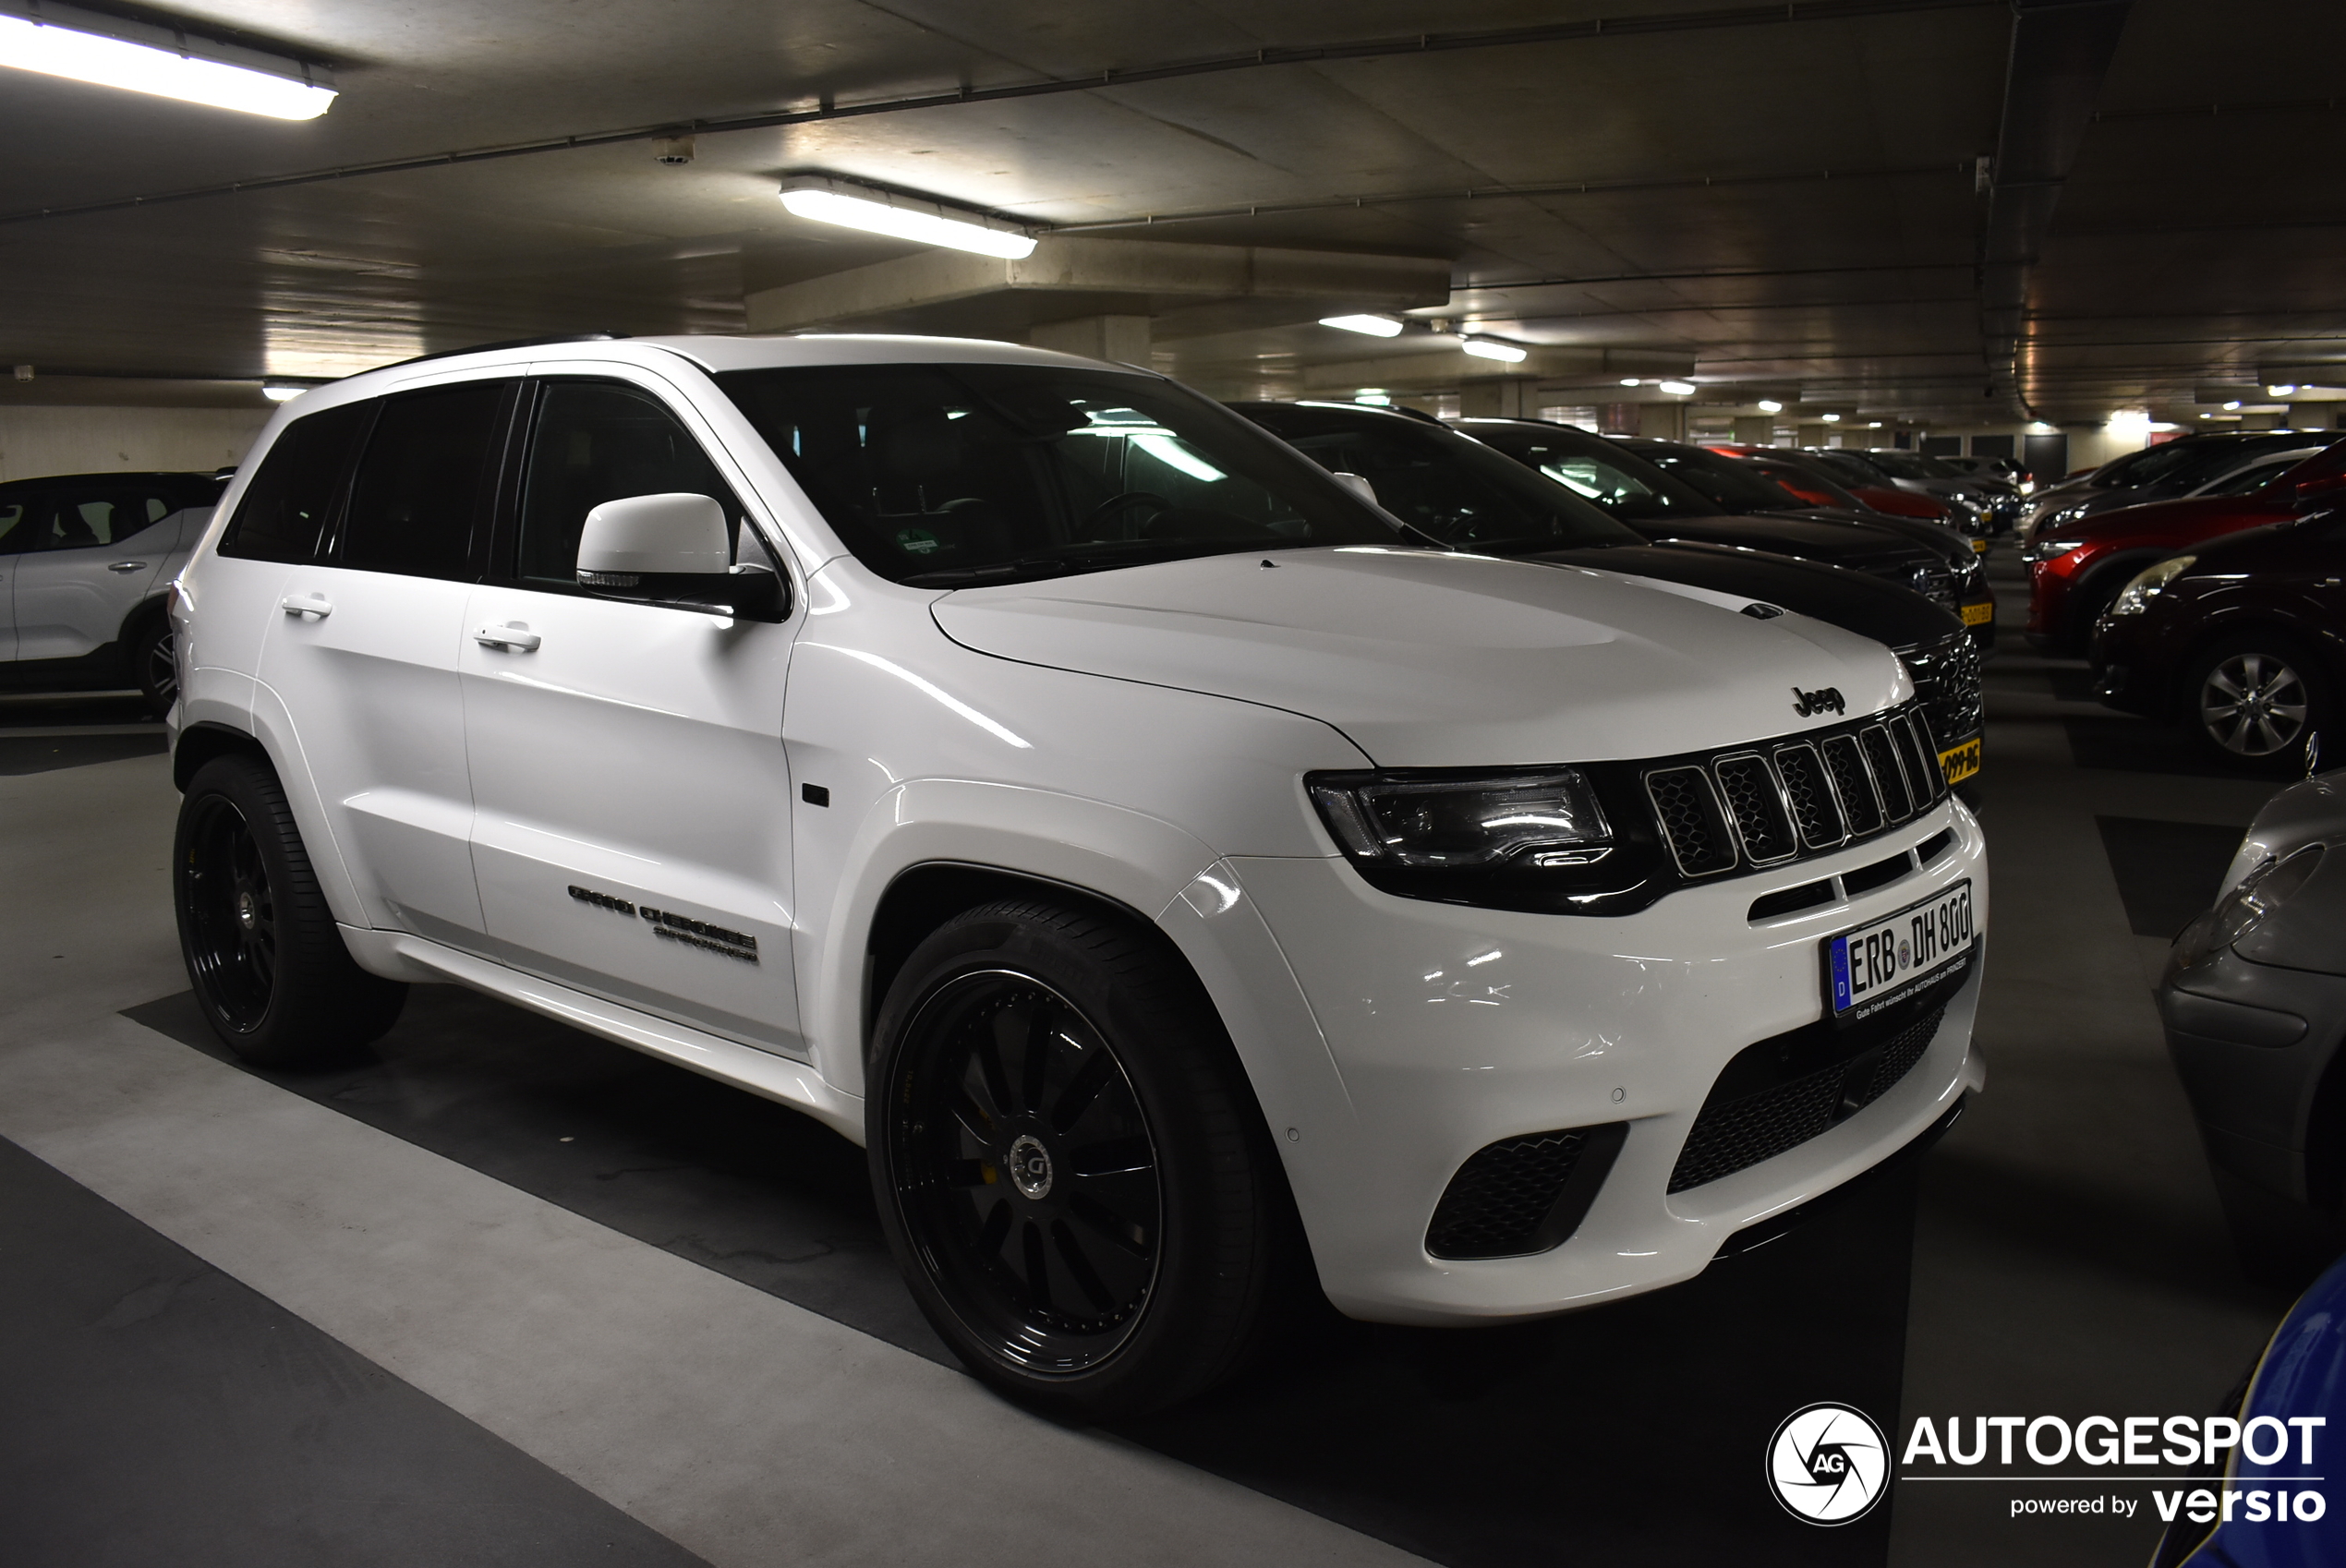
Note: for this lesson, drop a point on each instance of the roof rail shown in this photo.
(509, 343)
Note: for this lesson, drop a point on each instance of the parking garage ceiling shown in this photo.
(1953, 210)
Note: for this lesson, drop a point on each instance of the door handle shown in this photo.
(298, 605)
(512, 636)
(127, 566)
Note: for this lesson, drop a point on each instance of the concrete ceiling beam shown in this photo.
(1108, 277)
(1570, 363)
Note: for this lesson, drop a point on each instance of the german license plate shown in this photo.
(1960, 762)
(1888, 960)
(1979, 614)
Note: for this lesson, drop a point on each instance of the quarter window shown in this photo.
(283, 514)
(424, 482)
(598, 442)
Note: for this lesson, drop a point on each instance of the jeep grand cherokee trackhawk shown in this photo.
(1169, 866)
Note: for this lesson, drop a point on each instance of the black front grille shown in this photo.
(1733, 1134)
(1947, 679)
(1766, 804)
(1504, 1202)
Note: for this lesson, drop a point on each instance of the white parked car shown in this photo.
(86, 564)
(1171, 868)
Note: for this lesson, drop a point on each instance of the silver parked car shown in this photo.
(85, 566)
(2253, 999)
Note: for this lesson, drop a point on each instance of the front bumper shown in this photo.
(1452, 1028)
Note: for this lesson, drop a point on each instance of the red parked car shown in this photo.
(2076, 567)
(1799, 474)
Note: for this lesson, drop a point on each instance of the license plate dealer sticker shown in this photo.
(1888, 960)
(1959, 763)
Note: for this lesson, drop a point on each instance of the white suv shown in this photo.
(86, 564)
(1170, 867)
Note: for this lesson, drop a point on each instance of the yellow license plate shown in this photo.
(1979, 546)
(1979, 614)
(1960, 761)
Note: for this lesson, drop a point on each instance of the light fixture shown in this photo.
(1677, 388)
(1491, 348)
(281, 391)
(1770, 405)
(883, 212)
(139, 57)
(1372, 326)
(2279, 392)
(1373, 397)
(1873, 424)
(2232, 407)
(1628, 380)
(1830, 418)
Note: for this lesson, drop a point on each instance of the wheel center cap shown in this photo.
(1030, 1165)
(247, 912)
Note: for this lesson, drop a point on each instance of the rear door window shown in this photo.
(84, 517)
(284, 510)
(424, 486)
(20, 513)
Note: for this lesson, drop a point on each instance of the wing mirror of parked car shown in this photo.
(1357, 484)
(673, 549)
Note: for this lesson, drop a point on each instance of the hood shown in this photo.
(2181, 521)
(1430, 659)
(1898, 617)
(1866, 546)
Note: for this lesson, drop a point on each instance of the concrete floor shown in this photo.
(503, 1293)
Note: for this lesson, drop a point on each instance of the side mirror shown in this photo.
(672, 549)
(1357, 484)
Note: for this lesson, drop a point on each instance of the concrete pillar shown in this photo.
(2313, 416)
(1497, 397)
(1813, 434)
(1663, 421)
(1755, 430)
(1122, 340)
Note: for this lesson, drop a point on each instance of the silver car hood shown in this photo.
(1425, 659)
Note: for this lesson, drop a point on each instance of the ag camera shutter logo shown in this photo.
(1828, 1463)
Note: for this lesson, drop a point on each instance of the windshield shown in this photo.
(1728, 482)
(1460, 492)
(1808, 487)
(963, 474)
(1852, 468)
(1906, 465)
(2255, 475)
(1622, 485)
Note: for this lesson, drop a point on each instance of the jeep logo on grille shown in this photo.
(1823, 699)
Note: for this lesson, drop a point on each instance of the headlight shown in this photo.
(1438, 819)
(2243, 910)
(2136, 596)
(2041, 548)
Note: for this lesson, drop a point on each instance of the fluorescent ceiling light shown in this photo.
(281, 392)
(1374, 326)
(1677, 389)
(877, 211)
(1628, 380)
(103, 57)
(1770, 405)
(1873, 424)
(1491, 348)
(1373, 397)
(1830, 418)
(2232, 407)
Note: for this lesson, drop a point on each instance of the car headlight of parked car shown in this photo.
(2136, 596)
(2042, 549)
(1437, 819)
(2247, 906)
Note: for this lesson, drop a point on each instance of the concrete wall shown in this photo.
(38, 440)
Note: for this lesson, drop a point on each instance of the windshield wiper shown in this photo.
(1098, 558)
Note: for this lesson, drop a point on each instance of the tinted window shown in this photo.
(598, 442)
(1623, 486)
(423, 482)
(1460, 492)
(965, 474)
(17, 508)
(83, 516)
(1727, 482)
(282, 515)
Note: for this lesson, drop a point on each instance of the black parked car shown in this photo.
(2158, 473)
(1670, 490)
(2242, 642)
(1463, 493)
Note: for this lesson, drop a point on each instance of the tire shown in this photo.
(2251, 700)
(269, 967)
(152, 663)
(1098, 1231)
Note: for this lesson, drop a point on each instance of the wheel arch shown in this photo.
(2083, 603)
(200, 744)
(153, 607)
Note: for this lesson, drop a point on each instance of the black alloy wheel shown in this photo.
(270, 970)
(155, 665)
(2254, 702)
(1070, 1168)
